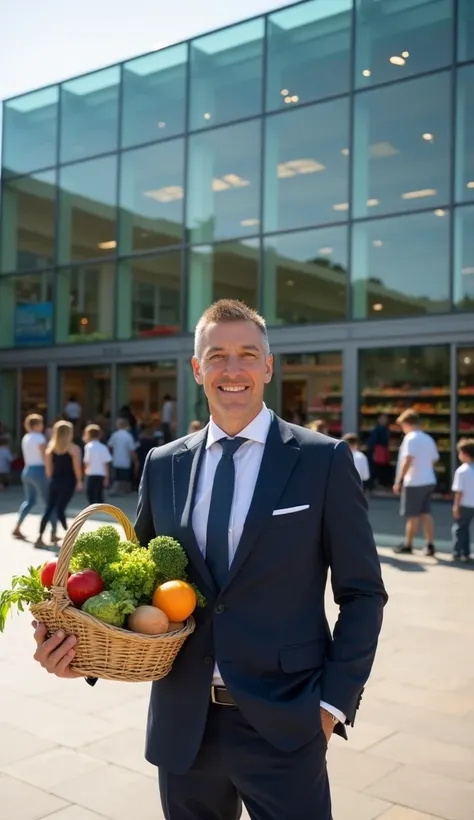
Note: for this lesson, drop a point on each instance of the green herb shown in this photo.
(25, 590)
(133, 571)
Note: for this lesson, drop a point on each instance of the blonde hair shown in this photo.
(32, 421)
(61, 438)
(317, 425)
(229, 310)
(409, 416)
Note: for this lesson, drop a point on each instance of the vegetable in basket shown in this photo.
(96, 550)
(25, 590)
(134, 570)
(171, 562)
(110, 607)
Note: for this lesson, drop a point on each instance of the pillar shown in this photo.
(200, 286)
(105, 299)
(8, 243)
(8, 401)
(7, 311)
(270, 193)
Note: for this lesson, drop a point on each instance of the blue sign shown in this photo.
(34, 324)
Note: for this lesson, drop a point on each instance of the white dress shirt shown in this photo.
(247, 461)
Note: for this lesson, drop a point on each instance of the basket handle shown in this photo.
(59, 588)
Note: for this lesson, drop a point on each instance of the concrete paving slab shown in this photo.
(19, 801)
(430, 793)
(429, 755)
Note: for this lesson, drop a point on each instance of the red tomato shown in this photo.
(47, 573)
(83, 585)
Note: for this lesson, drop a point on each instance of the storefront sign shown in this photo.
(34, 324)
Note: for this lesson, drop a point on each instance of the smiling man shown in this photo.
(263, 509)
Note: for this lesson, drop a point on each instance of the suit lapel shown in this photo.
(186, 465)
(279, 459)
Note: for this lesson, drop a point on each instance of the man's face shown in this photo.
(233, 370)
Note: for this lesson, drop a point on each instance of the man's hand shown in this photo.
(396, 489)
(56, 653)
(328, 724)
(456, 512)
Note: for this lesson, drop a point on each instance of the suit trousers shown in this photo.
(235, 764)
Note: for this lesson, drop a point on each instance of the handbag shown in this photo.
(381, 455)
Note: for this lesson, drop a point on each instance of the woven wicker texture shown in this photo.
(104, 651)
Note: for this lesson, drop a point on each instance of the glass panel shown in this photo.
(396, 39)
(34, 392)
(307, 167)
(89, 114)
(464, 258)
(465, 357)
(87, 298)
(30, 127)
(308, 52)
(27, 224)
(90, 388)
(464, 165)
(142, 387)
(87, 211)
(226, 75)
(151, 197)
(312, 390)
(465, 30)
(154, 90)
(26, 310)
(149, 296)
(392, 380)
(402, 141)
(305, 277)
(224, 183)
(227, 271)
(400, 267)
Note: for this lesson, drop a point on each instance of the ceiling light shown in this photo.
(377, 243)
(470, 185)
(295, 99)
(325, 251)
(371, 203)
(229, 181)
(428, 137)
(207, 116)
(466, 360)
(366, 72)
(84, 321)
(284, 92)
(439, 212)
(419, 194)
(161, 124)
(290, 283)
(298, 166)
(396, 60)
(169, 193)
(107, 246)
(249, 223)
(378, 306)
(341, 206)
(287, 100)
(381, 150)
(405, 54)
(345, 152)
(467, 271)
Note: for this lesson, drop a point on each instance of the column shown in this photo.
(350, 402)
(200, 287)
(8, 244)
(199, 217)
(52, 392)
(122, 385)
(360, 257)
(194, 400)
(124, 275)
(105, 300)
(62, 299)
(8, 397)
(7, 311)
(270, 194)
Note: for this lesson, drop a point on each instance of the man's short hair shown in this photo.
(229, 310)
(409, 416)
(32, 421)
(317, 425)
(466, 446)
(351, 438)
(93, 431)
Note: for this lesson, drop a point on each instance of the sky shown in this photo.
(45, 41)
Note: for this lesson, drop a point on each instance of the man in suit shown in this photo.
(263, 509)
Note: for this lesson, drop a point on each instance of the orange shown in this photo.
(176, 598)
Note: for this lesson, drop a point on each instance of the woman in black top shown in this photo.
(63, 468)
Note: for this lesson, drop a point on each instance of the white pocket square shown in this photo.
(288, 510)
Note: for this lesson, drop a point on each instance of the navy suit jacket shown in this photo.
(267, 627)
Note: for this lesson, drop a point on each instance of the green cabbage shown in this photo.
(110, 607)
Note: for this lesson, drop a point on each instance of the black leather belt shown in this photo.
(221, 696)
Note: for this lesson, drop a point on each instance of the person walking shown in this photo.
(264, 509)
(33, 476)
(360, 459)
(97, 460)
(63, 468)
(463, 507)
(416, 480)
(168, 412)
(378, 451)
(124, 458)
(6, 459)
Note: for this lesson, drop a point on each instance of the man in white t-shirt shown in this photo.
(416, 480)
(122, 445)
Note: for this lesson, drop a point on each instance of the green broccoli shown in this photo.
(201, 600)
(169, 557)
(110, 607)
(134, 572)
(96, 550)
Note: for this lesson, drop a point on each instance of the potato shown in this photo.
(149, 620)
(175, 626)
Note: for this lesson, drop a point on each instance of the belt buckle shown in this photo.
(213, 696)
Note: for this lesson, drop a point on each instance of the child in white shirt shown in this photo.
(97, 460)
(463, 507)
(360, 460)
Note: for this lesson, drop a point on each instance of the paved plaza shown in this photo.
(70, 752)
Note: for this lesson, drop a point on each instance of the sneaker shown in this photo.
(402, 549)
(40, 545)
(465, 558)
(430, 550)
(455, 556)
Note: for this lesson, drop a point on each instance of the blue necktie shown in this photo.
(217, 542)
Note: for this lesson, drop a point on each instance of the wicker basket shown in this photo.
(104, 651)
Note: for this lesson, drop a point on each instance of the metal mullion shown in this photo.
(352, 99)
(117, 202)
(185, 254)
(263, 123)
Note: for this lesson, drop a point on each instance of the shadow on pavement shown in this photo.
(402, 564)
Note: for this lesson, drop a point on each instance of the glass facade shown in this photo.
(316, 162)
